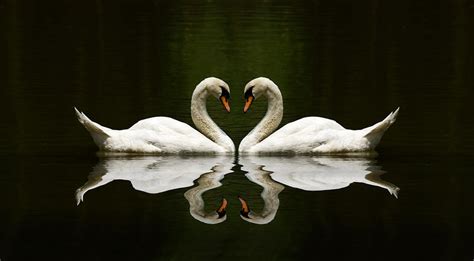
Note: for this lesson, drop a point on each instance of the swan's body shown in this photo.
(164, 135)
(310, 135)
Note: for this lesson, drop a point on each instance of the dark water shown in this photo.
(121, 61)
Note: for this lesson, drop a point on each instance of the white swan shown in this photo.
(309, 135)
(164, 135)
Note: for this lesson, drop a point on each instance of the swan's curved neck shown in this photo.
(270, 121)
(203, 121)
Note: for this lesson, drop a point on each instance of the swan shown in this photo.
(164, 135)
(309, 135)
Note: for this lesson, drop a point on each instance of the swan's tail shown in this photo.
(375, 132)
(99, 133)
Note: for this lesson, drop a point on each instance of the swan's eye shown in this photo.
(249, 93)
(225, 93)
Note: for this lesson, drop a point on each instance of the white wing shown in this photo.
(301, 136)
(161, 134)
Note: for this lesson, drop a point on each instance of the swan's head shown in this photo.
(219, 89)
(255, 88)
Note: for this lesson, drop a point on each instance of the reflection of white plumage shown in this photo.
(309, 135)
(164, 135)
(323, 173)
(305, 173)
(271, 189)
(206, 182)
(156, 175)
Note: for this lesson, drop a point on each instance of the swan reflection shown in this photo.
(208, 181)
(155, 175)
(258, 175)
(305, 173)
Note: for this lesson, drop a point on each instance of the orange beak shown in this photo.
(248, 102)
(223, 206)
(245, 208)
(225, 102)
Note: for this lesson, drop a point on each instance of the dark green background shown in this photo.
(121, 61)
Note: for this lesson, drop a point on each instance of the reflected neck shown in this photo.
(270, 121)
(203, 121)
(206, 182)
(271, 190)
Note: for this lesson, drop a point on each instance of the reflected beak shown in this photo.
(245, 208)
(225, 102)
(221, 210)
(248, 102)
